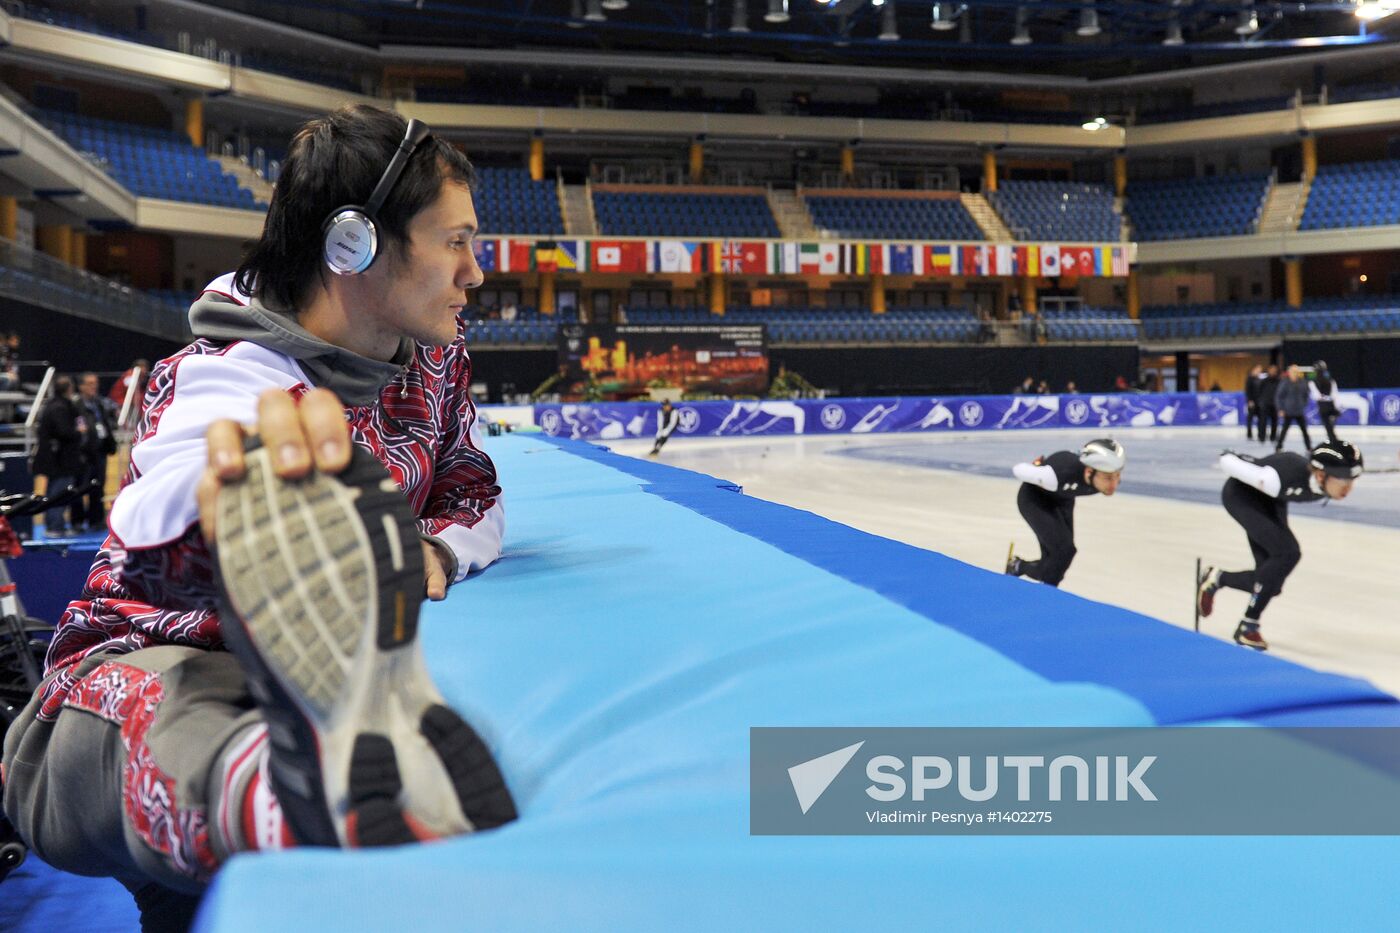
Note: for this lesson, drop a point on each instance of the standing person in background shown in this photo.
(1257, 495)
(1324, 389)
(99, 442)
(1049, 487)
(1292, 399)
(58, 452)
(666, 421)
(1268, 404)
(1252, 416)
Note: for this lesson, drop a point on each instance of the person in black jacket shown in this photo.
(1292, 398)
(1252, 416)
(1324, 389)
(58, 451)
(1257, 495)
(99, 442)
(1049, 487)
(1268, 403)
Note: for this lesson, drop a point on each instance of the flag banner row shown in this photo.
(768, 257)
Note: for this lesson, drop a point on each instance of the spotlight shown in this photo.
(889, 30)
(943, 16)
(1023, 32)
(1248, 23)
(1096, 124)
(1088, 22)
(614, 4)
(575, 14)
(1174, 33)
(777, 12)
(595, 12)
(740, 21)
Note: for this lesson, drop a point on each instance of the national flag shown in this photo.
(1003, 261)
(676, 256)
(1069, 261)
(974, 260)
(784, 258)
(860, 259)
(620, 256)
(573, 255)
(546, 256)
(731, 256)
(486, 254)
(1084, 260)
(809, 257)
(944, 260)
(906, 259)
(515, 256)
(1025, 260)
(1120, 260)
(1050, 259)
(829, 259)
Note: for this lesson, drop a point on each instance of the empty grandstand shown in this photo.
(507, 201)
(633, 212)
(1052, 210)
(1362, 194)
(1223, 205)
(892, 217)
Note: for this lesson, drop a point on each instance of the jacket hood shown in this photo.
(225, 314)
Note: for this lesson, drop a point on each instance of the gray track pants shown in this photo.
(127, 780)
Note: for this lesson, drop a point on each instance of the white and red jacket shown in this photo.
(153, 583)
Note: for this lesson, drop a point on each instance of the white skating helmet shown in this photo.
(1103, 454)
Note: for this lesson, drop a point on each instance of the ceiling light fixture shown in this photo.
(1096, 124)
(1248, 23)
(1023, 32)
(595, 12)
(614, 4)
(889, 28)
(740, 20)
(944, 15)
(777, 12)
(1088, 22)
(1174, 33)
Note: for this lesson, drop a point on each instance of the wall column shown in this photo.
(9, 218)
(194, 120)
(1309, 144)
(1120, 174)
(877, 293)
(697, 160)
(1134, 295)
(1293, 281)
(57, 241)
(79, 249)
(546, 292)
(848, 162)
(1028, 296)
(537, 157)
(717, 293)
(989, 170)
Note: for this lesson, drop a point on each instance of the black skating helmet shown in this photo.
(1338, 458)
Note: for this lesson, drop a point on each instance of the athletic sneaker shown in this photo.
(321, 582)
(1205, 591)
(1247, 634)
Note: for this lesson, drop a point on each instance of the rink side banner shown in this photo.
(723, 359)
(1105, 413)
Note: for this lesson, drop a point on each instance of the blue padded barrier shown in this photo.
(644, 618)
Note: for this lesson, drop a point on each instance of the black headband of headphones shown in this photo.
(412, 138)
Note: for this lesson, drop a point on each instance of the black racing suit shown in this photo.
(1050, 512)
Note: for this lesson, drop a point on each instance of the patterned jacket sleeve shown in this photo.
(464, 514)
(159, 554)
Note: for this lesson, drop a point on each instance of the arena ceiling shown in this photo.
(1086, 38)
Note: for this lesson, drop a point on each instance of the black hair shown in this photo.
(334, 161)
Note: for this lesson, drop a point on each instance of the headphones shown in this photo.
(350, 234)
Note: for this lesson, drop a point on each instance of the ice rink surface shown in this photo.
(953, 493)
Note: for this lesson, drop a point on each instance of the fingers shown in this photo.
(206, 494)
(282, 435)
(327, 433)
(434, 578)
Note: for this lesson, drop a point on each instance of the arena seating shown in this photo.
(1057, 211)
(1362, 194)
(800, 324)
(1087, 323)
(529, 326)
(150, 162)
(661, 213)
(507, 201)
(1317, 316)
(893, 218)
(1224, 205)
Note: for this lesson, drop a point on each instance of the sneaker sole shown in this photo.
(322, 579)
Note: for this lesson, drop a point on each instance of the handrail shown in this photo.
(33, 416)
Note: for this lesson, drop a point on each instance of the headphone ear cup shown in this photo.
(350, 241)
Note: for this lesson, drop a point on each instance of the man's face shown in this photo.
(420, 294)
(1106, 483)
(1335, 487)
(88, 387)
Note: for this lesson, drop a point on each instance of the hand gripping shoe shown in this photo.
(321, 579)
